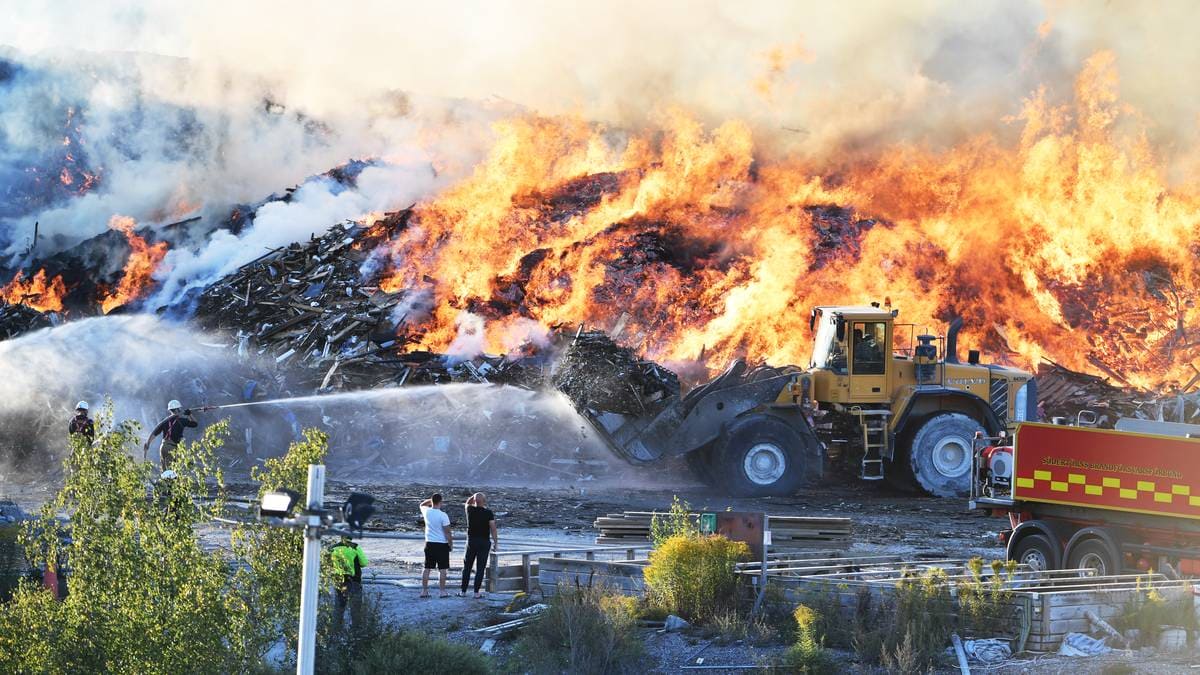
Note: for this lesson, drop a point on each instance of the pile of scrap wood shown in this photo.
(18, 319)
(1065, 393)
(306, 307)
(791, 532)
(597, 374)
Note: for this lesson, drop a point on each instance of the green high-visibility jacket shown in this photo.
(348, 559)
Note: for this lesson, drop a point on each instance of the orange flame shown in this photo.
(1070, 245)
(139, 268)
(36, 293)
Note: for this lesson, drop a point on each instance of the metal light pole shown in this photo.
(306, 650)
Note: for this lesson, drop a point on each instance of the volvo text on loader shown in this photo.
(875, 394)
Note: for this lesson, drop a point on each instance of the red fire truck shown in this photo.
(1106, 499)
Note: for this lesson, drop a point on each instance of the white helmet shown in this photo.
(82, 405)
(174, 405)
(169, 475)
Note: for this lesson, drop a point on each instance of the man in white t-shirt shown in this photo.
(438, 543)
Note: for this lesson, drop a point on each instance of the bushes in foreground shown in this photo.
(587, 629)
(695, 577)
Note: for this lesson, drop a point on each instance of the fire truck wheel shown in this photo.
(1093, 554)
(940, 455)
(1036, 551)
(760, 456)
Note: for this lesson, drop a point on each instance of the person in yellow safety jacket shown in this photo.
(348, 561)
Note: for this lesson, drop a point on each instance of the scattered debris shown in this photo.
(1078, 644)
(674, 623)
(988, 652)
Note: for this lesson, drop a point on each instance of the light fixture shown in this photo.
(277, 503)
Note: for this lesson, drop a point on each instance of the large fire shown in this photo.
(143, 260)
(1069, 245)
(35, 293)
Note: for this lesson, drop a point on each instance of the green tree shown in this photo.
(268, 584)
(145, 595)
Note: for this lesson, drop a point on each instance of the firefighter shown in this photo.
(81, 425)
(348, 561)
(171, 429)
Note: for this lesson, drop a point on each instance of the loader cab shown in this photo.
(854, 345)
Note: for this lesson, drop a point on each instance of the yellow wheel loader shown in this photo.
(875, 394)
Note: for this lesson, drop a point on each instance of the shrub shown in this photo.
(587, 629)
(677, 522)
(695, 577)
(412, 652)
(808, 654)
(1148, 611)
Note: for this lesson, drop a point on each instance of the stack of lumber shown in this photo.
(787, 532)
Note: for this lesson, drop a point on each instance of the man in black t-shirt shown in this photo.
(481, 523)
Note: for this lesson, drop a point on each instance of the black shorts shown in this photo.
(437, 556)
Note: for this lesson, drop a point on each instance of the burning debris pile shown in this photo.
(307, 308)
(1065, 393)
(596, 373)
(20, 319)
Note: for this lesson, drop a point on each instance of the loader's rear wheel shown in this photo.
(940, 455)
(759, 456)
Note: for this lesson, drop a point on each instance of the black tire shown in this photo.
(1094, 554)
(940, 454)
(1036, 551)
(761, 456)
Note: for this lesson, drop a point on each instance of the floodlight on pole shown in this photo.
(277, 504)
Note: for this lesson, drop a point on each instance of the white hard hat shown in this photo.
(174, 405)
(82, 405)
(169, 474)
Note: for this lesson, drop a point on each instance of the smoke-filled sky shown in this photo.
(185, 105)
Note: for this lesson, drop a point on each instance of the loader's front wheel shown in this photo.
(940, 455)
(760, 456)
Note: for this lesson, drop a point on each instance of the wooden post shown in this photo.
(526, 573)
(493, 572)
(591, 555)
(631, 554)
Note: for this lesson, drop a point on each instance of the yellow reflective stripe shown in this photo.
(1181, 490)
(1041, 475)
(1076, 479)
(1164, 497)
(1025, 482)
(1112, 482)
(1093, 490)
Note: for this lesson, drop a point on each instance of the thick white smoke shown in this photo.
(316, 206)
